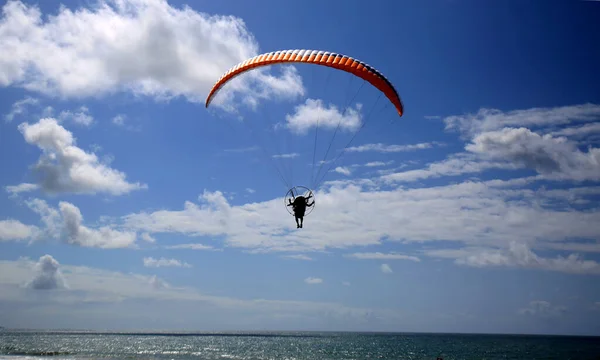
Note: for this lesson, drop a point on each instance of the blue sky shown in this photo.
(129, 205)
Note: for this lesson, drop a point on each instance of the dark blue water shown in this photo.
(286, 345)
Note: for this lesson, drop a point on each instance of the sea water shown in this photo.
(18, 345)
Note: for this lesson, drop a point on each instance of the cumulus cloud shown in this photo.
(47, 275)
(555, 157)
(482, 213)
(493, 119)
(64, 167)
(102, 237)
(50, 217)
(518, 255)
(495, 142)
(191, 247)
(313, 280)
(383, 148)
(386, 269)
(23, 187)
(343, 170)
(163, 262)
(147, 237)
(65, 223)
(382, 256)
(147, 47)
(314, 113)
(209, 219)
(80, 117)
(487, 213)
(15, 230)
(20, 107)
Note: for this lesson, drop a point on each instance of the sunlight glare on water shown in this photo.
(297, 346)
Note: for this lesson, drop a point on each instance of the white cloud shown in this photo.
(99, 296)
(250, 191)
(343, 170)
(577, 131)
(346, 283)
(378, 163)
(191, 247)
(23, 187)
(147, 47)
(484, 213)
(299, 257)
(50, 217)
(80, 117)
(494, 145)
(119, 120)
(163, 262)
(382, 256)
(66, 224)
(104, 237)
(210, 219)
(386, 269)
(554, 157)
(379, 147)
(493, 119)
(286, 156)
(314, 112)
(64, 167)
(47, 275)
(518, 255)
(454, 165)
(147, 237)
(15, 230)
(158, 283)
(19, 107)
(124, 122)
(313, 280)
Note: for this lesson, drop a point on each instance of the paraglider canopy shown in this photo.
(355, 69)
(317, 57)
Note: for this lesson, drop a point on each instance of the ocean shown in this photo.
(18, 345)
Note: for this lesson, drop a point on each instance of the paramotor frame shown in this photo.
(296, 191)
